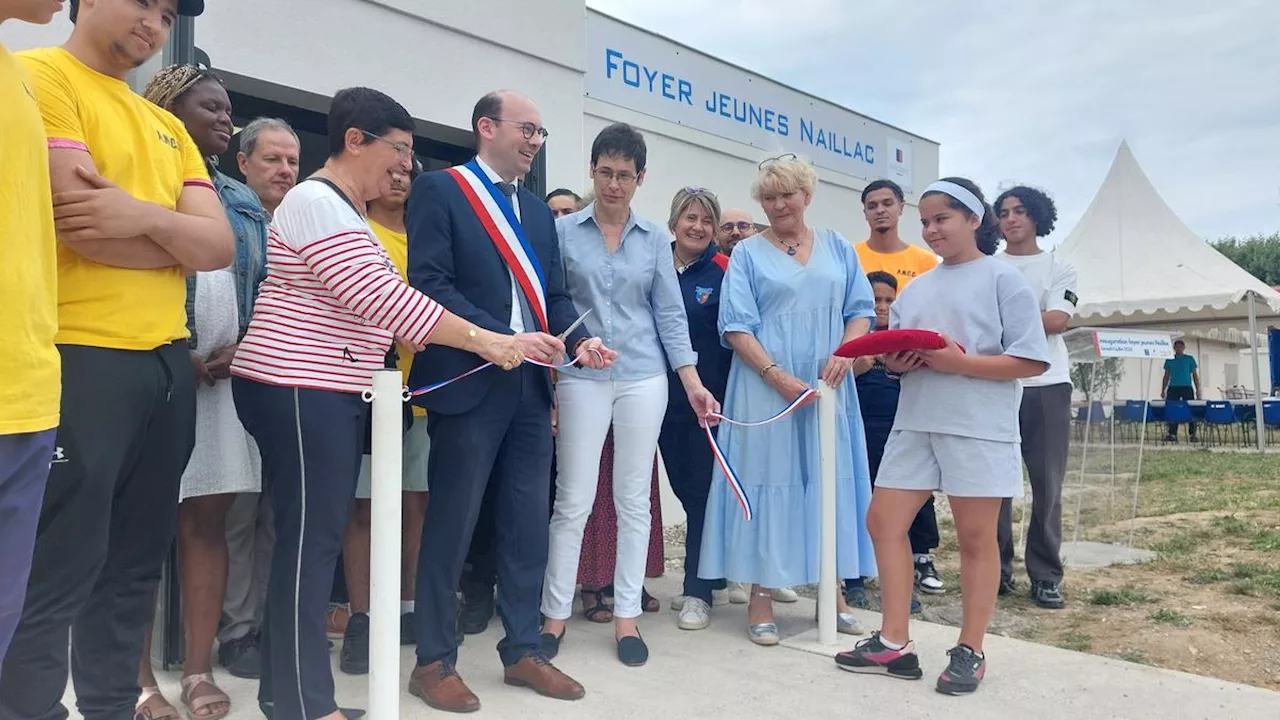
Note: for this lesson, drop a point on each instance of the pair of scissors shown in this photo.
(564, 335)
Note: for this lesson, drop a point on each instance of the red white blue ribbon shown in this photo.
(729, 475)
(474, 370)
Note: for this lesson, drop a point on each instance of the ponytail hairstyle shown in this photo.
(988, 233)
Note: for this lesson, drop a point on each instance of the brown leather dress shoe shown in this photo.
(440, 686)
(540, 675)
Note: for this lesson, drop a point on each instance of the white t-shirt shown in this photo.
(1054, 283)
(987, 307)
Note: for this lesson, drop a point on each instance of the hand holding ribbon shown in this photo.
(597, 355)
(731, 477)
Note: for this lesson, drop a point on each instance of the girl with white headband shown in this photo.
(956, 429)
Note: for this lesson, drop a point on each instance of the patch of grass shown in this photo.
(1231, 525)
(1184, 543)
(1267, 540)
(1165, 616)
(1078, 641)
(1247, 588)
(1247, 571)
(1254, 580)
(1122, 596)
(1134, 656)
(1207, 576)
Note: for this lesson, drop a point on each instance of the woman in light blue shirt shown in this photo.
(618, 267)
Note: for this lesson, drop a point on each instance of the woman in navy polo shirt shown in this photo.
(695, 214)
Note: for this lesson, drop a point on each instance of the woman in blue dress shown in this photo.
(792, 295)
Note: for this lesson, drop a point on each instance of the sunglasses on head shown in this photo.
(781, 158)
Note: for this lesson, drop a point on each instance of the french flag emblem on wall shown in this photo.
(898, 155)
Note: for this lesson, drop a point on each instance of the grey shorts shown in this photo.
(953, 464)
(417, 448)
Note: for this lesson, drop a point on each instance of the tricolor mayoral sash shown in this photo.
(498, 217)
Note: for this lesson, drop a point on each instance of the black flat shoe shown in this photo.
(269, 710)
(550, 644)
(632, 651)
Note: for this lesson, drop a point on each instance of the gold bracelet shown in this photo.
(764, 370)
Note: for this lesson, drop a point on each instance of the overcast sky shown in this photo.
(1038, 91)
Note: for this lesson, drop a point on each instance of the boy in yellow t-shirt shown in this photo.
(884, 251)
(134, 210)
(29, 364)
(386, 219)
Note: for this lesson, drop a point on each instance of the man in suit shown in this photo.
(487, 250)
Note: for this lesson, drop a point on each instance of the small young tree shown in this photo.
(1096, 379)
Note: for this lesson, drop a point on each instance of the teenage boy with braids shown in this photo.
(134, 211)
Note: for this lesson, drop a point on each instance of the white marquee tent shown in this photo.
(1139, 264)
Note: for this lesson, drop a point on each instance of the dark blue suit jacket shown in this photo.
(453, 261)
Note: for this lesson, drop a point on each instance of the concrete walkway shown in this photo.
(717, 673)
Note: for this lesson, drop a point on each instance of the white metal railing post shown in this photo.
(384, 547)
(827, 449)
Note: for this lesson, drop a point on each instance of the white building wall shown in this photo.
(436, 58)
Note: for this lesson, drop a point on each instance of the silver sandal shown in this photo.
(765, 633)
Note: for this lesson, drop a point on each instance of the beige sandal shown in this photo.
(160, 709)
(196, 703)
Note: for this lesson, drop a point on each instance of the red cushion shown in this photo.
(891, 341)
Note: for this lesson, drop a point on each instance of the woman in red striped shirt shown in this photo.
(326, 315)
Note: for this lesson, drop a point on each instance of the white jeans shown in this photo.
(636, 409)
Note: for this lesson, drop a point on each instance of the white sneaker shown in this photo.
(696, 615)
(738, 593)
(785, 595)
(718, 598)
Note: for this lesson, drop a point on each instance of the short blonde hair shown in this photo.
(686, 197)
(784, 175)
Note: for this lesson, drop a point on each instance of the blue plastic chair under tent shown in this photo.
(1094, 415)
(1135, 411)
(1220, 419)
(1178, 411)
(1271, 417)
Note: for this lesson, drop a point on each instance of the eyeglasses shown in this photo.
(699, 191)
(741, 225)
(773, 160)
(404, 150)
(527, 129)
(608, 176)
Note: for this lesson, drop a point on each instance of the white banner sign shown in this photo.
(1118, 343)
(651, 75)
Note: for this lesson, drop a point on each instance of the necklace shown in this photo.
(681, 264)
(792, 248)
(346, 187)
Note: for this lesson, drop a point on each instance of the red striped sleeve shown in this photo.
(362, 277)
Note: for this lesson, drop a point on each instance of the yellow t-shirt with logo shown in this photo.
(397, 246)
(148, 153)
(905, 265)
(30, 369)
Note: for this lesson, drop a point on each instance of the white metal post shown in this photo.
(1260, 424)
(827, 448)
(1084, 450)
(384, 548)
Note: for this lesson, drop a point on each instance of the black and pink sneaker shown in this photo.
(872, 657)
(963, 673)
